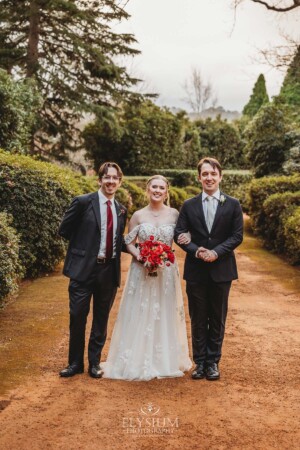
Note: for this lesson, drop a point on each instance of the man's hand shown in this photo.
(184, 238)
(206, 255)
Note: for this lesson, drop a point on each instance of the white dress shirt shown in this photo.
(216, 199)
(103, 215)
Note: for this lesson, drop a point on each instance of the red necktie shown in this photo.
(109, 231)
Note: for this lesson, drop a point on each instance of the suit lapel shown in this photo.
(201, 212)
(96, 207)
(118, 211)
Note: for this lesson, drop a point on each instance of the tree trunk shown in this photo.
(33, 39)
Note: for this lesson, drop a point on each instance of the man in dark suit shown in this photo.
(215, 223)
(94, 224)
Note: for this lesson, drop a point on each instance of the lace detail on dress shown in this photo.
(163, 233)
(149, 338)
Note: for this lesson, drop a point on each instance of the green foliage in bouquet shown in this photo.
(10, 267)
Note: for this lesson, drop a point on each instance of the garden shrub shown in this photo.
(37, 194)
(10, 267)
(191, 191)
(137, 194)
(177, 197)
(277, 209)
(232, 179)
(263, 188)
(292, 237)
(123, 196)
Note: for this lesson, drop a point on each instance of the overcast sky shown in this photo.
(174, 35)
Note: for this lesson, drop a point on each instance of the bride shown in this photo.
(149, 338)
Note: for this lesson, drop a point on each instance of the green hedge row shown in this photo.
(36, 195)
(10, 267)
(274, 207)
(261, 189)
(232, 182)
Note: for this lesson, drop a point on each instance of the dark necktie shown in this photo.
(109, 230)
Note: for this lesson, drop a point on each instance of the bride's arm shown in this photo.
(131, 248)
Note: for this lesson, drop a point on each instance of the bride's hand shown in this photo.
(184, 238)
(139, 259)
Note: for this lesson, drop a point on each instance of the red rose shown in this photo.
(151, 238)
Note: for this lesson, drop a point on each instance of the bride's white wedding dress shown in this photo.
(149, 338)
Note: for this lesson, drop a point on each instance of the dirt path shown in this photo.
(255, 405)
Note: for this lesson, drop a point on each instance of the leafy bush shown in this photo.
(191, 191)
(138, 195)
(37, 194)
(179, 177)
(177, 197)
(19, 102)
(267, 140)
(292, 237)
(10, 267)
(123, 196)
(277, 209)
(261, 189)
(221, 139)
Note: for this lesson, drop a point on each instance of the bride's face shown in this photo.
(157, 190)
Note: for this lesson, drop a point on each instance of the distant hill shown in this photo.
(213, 113)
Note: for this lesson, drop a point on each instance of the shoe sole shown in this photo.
(95, 376)
(198, 377)
(69, 376)
(213, 378)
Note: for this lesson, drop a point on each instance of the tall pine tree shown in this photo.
(290, 90)
(70, 49)
(258, 97)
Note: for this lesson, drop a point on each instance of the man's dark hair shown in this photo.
(212, 161)
(103, 169)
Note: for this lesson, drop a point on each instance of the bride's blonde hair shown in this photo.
(160, 177)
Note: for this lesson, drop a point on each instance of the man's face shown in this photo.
(210, 178)
(110, 182)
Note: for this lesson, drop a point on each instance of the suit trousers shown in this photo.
(102, 286)
(208, 304)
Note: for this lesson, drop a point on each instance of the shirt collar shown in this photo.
(216, 195)
(103, 199)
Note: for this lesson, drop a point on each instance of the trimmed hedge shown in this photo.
(177, 197)
(191, 191)
(292, 237)
(137, 196)
(261, 189)
(232, 179)
(123, 196)
(277, 209)
(10, 267)
(37, 194)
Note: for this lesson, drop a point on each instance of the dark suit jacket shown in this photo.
(226, 234)
(81, 225)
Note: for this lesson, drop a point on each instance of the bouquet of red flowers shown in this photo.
(155, 255)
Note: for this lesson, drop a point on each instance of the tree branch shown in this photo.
(295, 4)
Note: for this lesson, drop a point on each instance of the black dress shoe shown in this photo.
(212, 372)
(199, 371)
(95, 371)
(70, 371)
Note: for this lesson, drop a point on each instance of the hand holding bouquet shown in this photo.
(155, 255)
